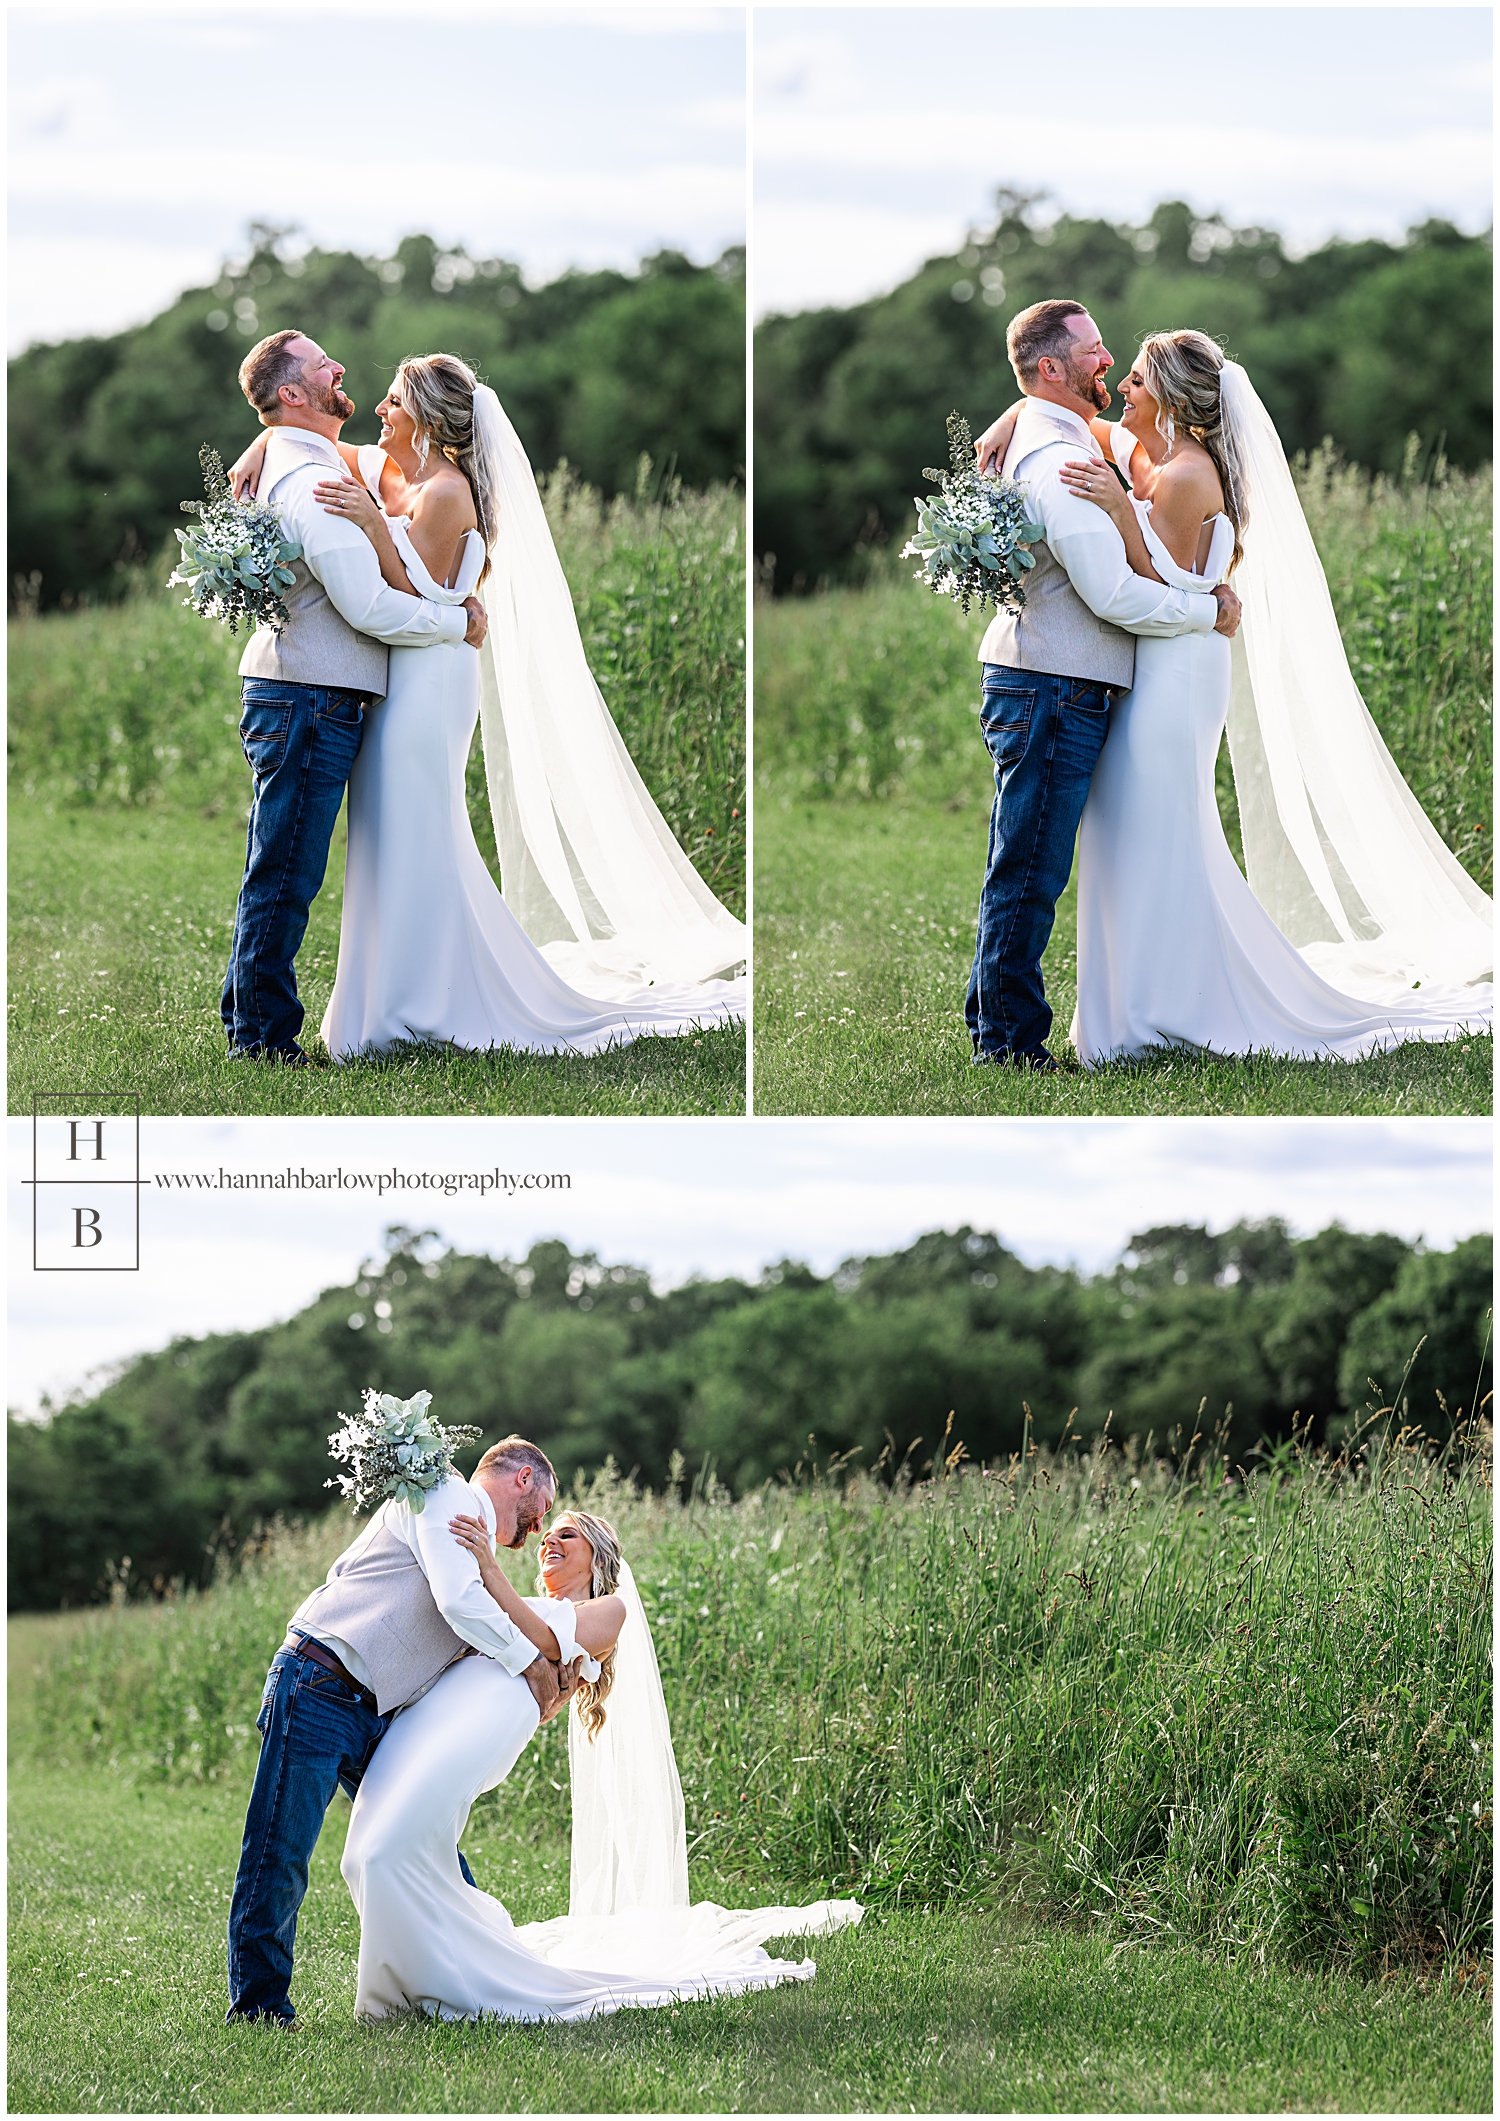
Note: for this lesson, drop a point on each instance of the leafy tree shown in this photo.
(1443, 1300)
(189, 1448)
(598, 367)
(1364, 342)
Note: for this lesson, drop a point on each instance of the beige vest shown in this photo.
(1055, 632)
(378, 1600)
(318, 645)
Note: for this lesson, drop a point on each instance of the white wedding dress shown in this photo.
(430, 1942)
(428, 948)
(1174, 947)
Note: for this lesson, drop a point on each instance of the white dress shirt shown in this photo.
(452, 1575)
(1083, 539)
(339, 554)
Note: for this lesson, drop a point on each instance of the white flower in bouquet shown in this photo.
(395, 1451)
(973, 533)
(235, 562)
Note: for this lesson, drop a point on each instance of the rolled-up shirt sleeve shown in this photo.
(343, 560)
(1087, 545)
(453, 1575)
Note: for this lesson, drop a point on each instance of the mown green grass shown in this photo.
(873, 791)
(128, 796)
(120, 930)
(119, 1897)
(1123, 1849)
(864, 933)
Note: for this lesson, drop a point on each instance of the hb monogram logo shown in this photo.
(85, 1185)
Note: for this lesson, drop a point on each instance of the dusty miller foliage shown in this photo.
(973, 533)
(235, 562)
(395, 1451)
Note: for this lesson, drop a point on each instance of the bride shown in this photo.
(604, 930)
(1358, 928)
(428, 1941)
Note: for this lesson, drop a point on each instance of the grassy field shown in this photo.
(864, 933)
(128, 796)
(1164, 1792)
(872, 803)
(118, 1903)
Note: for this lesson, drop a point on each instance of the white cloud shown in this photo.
(889, 129)
(573, 137)
(716, 1198)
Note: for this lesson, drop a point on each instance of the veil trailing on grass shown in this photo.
(1337, 848)
(588, 864)
(628, 1900)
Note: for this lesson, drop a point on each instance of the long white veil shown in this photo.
(588, 864)
(629, 1835)
(1337, 848)
(628, 1907)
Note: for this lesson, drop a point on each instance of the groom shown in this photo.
(305, 690)
(1052, 671)
(398, 1607)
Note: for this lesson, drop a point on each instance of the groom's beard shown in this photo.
(1091, 388)
(525, 1526)
(333, 401)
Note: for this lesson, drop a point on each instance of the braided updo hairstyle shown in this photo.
(438, 391)
(604, 1544)
(1181, 369)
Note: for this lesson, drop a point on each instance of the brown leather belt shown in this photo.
(304, 1646)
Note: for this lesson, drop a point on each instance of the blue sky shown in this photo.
(881, 134)
(709, 1197)
(143, 139)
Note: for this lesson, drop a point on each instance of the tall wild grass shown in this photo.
(874, 692)
(1252, 1710)
(137, 704)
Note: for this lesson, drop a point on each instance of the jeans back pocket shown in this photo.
(264, 725)
(1005, 713)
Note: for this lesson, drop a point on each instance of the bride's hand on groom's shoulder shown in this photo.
(475, 1535)
(346, 497)
(1091, 479)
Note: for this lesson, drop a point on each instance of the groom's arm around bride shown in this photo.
(397, 1607)
(306, 689)
(1051, 673)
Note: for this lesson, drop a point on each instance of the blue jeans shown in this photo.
(315, 1736)
(1044, 734)
(301, 741)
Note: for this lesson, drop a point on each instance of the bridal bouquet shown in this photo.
(235, 562)
(394, 1450)
(973, 533)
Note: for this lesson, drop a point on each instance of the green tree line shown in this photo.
(599, 368)
(1361, 342)
(189, 1448)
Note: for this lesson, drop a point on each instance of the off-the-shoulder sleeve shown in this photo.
(1121, 441)
(371, 463)
(1183, 577)
(421, 580)
(561, 1615)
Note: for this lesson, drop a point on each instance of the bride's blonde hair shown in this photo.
(1182, 370)
(438, 391)
(604, 1545)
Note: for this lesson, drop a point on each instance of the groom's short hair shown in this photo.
(266, 367)
(513, 1452)
(1040, 333)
